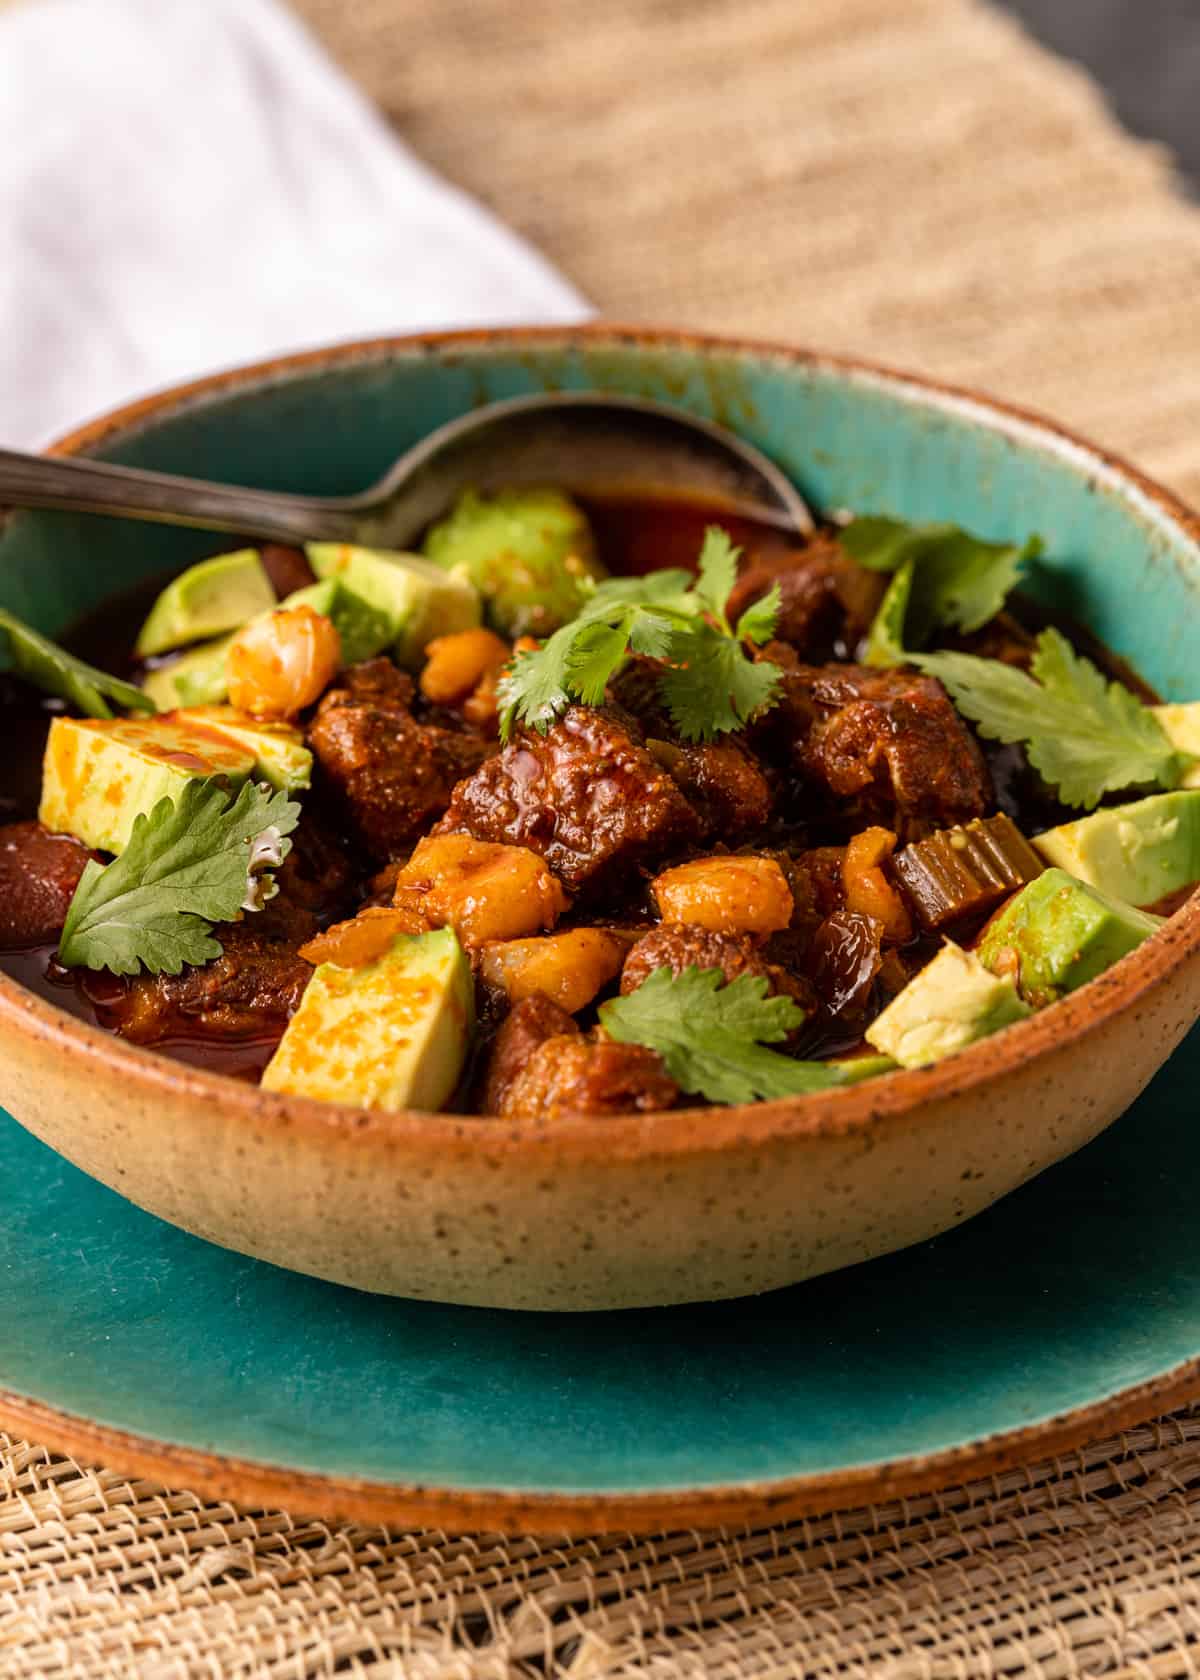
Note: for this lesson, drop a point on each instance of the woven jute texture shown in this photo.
(915, 180)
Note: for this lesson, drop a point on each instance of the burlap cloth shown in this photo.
(909, 178)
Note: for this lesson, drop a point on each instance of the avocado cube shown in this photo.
(530, 553)
(99, 774)
(200, 677)
(217, 595)
(950, 1003)
(197, 678)
(854, 1069)
(1138, 853)
(391, 1033)
(417, 599)
(280, 756)
(1181, 726)
(1057, 934)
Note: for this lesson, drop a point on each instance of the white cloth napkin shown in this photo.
(186, 184)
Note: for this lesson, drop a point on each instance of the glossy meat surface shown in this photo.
(680, 947)
(586, 796)
(541, 1066)
(393, 774)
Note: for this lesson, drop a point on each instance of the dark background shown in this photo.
(1146, 55)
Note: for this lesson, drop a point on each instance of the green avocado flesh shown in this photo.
(200, 677)
(217, 595)
(528, 552)
(950, 1003)
(415, 601)
(98, 775)
(1058, 933)
(280, 757)
(1138, 853)
(393, 1033)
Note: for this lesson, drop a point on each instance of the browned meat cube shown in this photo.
(251, 991)
(679, 946)
(528, 1025)
(39, 872)
(825, 598)
(586, 796)
(724, 782)
(393, 773)
(888, 745)
(542, 1066)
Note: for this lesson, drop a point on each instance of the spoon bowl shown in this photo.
(588, 443)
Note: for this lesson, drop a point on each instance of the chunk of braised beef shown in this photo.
(826, 600)
(392, 774)
(586, 796)
(527, 1026)
(542, 1066)
(251, 991)
(39, 872)
(678, 946)
(888, 745)
(725, 784)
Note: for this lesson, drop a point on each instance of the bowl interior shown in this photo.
(1114, 557)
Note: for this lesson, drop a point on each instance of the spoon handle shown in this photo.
(47, 481)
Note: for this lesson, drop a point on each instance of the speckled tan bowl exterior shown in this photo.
(588, 1213)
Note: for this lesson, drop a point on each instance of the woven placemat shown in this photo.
(915, 180)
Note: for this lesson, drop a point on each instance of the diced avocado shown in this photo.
(217, 595)
(200, 677)
(390, 1034)
(1058, 933)
(950, 1003)
(1181, 726)
(196, 678)
(98, 774)
(854, 1069)
(528, 552)
(363, 630)
(280, 756)
(418, 600)
(1138, 853)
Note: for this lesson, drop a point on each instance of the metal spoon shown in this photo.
(584, 442)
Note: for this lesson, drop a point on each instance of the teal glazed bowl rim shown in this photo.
(654, 1137)
(674, 1131)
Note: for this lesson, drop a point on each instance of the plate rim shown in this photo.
(256, 1484)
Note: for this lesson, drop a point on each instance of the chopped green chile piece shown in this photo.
(967, 870)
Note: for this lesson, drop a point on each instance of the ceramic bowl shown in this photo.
(639, 1210)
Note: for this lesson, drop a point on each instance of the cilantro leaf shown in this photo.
(709, 683)
(1084, 735)
(711, 687)
(187, 865)
(713, 1037)
(717, 573)
(55, 671)
(944, 578)
(885, 639)
(757, 623)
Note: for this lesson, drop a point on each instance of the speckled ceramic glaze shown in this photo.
(644, 1210)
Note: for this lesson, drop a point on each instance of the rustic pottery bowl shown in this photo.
(646, 1209)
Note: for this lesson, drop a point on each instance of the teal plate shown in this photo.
(1071, 1307)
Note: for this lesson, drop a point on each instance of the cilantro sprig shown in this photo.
(55, 671)
(189, 863)
(709, 683)
(943, 578)
(714, 1038)
(1084, 735)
